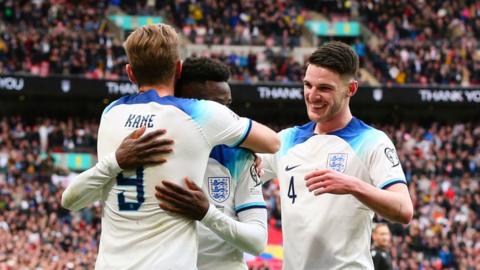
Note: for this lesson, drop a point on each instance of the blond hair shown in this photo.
(153, 52)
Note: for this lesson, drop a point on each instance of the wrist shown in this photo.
(356, 187)
(113, 163)
(208, 215)
(205, 209)
(119, 161)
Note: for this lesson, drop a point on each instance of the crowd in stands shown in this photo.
(74, 38)
(48, 37)
(35, 231)
(59, 37)
(238, 22)
(262, 66)
(423, 42)
(441, 163)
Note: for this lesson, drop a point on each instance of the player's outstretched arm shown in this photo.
(135, 150)
(86, 188)
(249, 234)
(222, 126)
(393, 203)
(262, 139)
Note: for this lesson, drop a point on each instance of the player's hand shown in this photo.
(190, 202)
(329, 181)
(258, 163)
(137, 150)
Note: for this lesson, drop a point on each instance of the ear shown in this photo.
(352, 88)
(130, 74)
(178, 70)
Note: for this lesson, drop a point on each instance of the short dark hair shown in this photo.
(201, 69)
(336, 56)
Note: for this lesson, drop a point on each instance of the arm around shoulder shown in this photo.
(86, 188)
(261, 139)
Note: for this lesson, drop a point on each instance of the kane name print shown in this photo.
(138, 120)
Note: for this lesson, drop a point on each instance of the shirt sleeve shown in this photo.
(87, 187)
(269, 167)
(220, 124)
(248, 191)
(249, 234)
(385, 168)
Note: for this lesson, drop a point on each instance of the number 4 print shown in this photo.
(291, 190)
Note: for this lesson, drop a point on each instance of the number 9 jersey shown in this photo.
(136, 232)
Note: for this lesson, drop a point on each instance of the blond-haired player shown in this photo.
(136, 233)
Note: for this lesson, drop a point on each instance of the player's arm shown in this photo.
(86, 188)
(223, 126)
(134, 151)
(267, 166)
(389, 198)
(261, 139)
(393, 203)
(248, 234)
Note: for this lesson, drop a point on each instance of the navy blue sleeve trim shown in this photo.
(393, 183)
(247, 131)
(251, 207)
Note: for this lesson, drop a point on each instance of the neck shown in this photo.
(161, 89)
(339, 121)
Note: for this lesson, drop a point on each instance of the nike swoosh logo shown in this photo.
(291, 168)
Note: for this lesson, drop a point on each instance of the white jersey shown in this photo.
(136, 232)
(231, 184)
(330, 231)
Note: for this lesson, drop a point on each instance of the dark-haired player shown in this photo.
(335, 172)
(233, 219)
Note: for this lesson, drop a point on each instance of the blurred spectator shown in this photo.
(381, 237)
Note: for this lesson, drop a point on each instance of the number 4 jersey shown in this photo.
(136, 233)
(330, 231)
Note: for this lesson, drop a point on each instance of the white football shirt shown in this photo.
(231, 184)
(330, 231)
(136, 233)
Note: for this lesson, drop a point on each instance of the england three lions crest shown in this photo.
(219, 188)
(337, 162)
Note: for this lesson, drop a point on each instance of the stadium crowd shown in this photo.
(35, 231)
(73, 38)
(441, 162)
(241, 22)
(423, 42)
(62, 38)
(59, 37)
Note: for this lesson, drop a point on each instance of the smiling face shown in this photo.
(326, 93)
